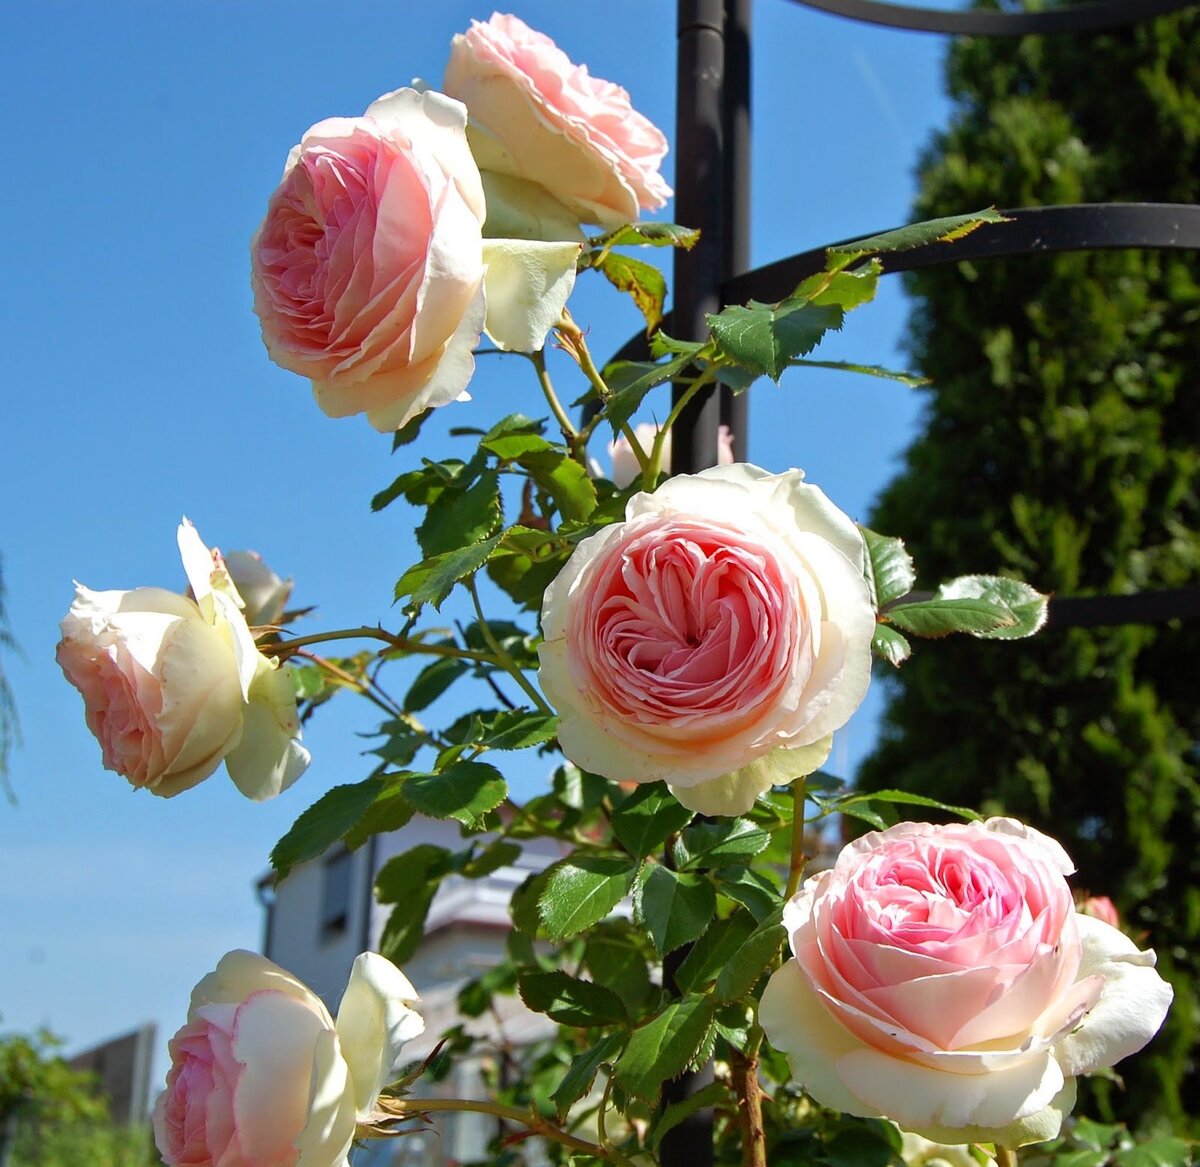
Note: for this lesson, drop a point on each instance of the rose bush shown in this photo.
(172, 686)
(368, 270)
(539, 118)
(942, 978)
(262, 1076)
(624, 462)
(714, 639)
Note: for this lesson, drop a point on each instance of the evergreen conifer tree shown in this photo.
(1062, 446)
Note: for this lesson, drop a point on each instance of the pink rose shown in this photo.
(943, 979)
(368, 268)
(172, 686)
(536, 116)
(624, 463)
(714, 640)
(262, 1076)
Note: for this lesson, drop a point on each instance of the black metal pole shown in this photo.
(700, 201)
(735, 257)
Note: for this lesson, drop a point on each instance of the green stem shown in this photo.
(1005, 1156)
(412, 1107)
(284, 648)
(501, 657)
(364, 688)
(796, 868)
(560, 415)
(651, 472)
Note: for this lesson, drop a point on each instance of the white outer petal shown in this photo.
(527, 283)
(1132, 1005)
(269, 756)
(240, 973)
(734, 794)
(373, 1023)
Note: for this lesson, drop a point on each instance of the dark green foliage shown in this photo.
(1060, 447)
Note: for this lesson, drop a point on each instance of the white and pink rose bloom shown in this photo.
(371, 274)
(540, 121)
(714, 640)
(941, 977)
(262, 1076)
(174, 685)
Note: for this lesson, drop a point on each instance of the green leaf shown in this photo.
(751, 889)
(319, 827)
(890, 645)
(431, 580)
(713, 950)
(614, 958)
(739, 976)
(630, 381)
(910, 379)
(495, 855)
(389, 812)
(1027, 606)
(526, 563)
(578, 789)
(764, 338)
(644, 282)
(564, 480)
(889, 570)
(514, 423)
(647, 817)
(711, 844)
(580, 891)
(571, 1001)
(846, 289)
(934, 618)
(518, 729)
(578, 1079)
(647, 234)
(410, 881)
(465, 791)
(458, 518)
(433, 680)
(403, 738)
(409, 431)
(1165, 1151)
(713, 1094)
(903, 798)
(915, 235)
(675, 907)
(663, 1047)
(410, 872)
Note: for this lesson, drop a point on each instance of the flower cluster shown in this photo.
(381, 261)
(711, 639)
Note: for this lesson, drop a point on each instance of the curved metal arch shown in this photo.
(1029, 231)
(1078, 18)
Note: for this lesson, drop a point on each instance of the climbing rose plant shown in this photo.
(688, 644)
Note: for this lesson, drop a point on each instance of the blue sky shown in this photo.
(138, 391)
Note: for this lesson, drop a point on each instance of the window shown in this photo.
(335, 895)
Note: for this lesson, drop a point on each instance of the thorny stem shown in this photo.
(569, 431)
(502, 658)
(285, 648)
(746, 1086)
(415, 1107)
(796, 869)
